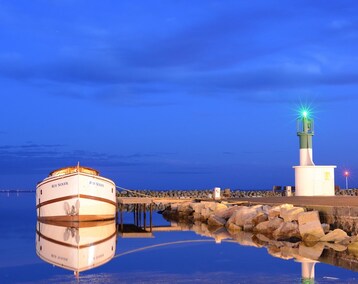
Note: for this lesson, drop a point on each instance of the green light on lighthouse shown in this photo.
(305, 112)
(305, 133)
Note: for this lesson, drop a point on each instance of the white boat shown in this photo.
(76, 246)
(76, 194)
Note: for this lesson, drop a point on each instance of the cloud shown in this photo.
(39, 159)
(239, 52)
(35, 158)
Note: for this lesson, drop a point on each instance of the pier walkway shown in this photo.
(349, 201)
(151, 200)
(335, 201)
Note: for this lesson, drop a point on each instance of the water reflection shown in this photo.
(76, 246)
(299, 252)
(82, 246)
(308, 255)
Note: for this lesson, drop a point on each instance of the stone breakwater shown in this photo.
(207, 193)
(197, 193)
(284, 222)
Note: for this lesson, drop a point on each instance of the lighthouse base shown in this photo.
(314, 180)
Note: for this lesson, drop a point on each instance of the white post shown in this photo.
(217, 193)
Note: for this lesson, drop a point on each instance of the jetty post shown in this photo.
(310, 179)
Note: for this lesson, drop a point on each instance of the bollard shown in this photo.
(217, 193)
(288, 191)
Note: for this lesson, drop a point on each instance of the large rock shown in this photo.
(248, 227)
(215, 221)
(287, 231)
(326, 228)
(245, 239)
(309, 224)
(290, 214)
(266, 209)
(353, 248)
(233, 228)
(245, 215)
(184, 206)
(268, 227)
(336, 247)
(336, 235)
(263, 238)
(196, 206)
(197, 216)
(220, 207)
(280, 252)
(201, 229)
(205, 213)
(227, 213)
(310, 252)
(214, 206)
(209, 205)
(184, 210)
(288, 251)
(310, 240)
(203, 210)
(259, 218)
(236, 215)
(349, 240)
(276, 210)
(221, 234)
(174, 206)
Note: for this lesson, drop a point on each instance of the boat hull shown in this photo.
(76, 197)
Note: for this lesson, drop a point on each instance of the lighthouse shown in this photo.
(311, 179)
(305, 133)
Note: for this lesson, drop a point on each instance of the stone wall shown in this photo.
(207, 193)
(342, 217)
(198, 193)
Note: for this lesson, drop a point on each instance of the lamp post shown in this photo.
(346, 174)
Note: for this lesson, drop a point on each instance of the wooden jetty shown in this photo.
(141, 205)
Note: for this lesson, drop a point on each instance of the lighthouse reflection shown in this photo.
(76, 246)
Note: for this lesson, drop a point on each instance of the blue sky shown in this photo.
(176, 94)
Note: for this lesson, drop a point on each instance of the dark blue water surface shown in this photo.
(168, 257)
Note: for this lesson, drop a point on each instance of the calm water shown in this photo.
(167, 257)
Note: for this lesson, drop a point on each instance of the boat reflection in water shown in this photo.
(76, 246)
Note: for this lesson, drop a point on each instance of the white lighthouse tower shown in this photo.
(311, 180)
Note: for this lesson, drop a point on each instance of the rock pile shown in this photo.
(207, 193)
(197, 193)
(279, 223)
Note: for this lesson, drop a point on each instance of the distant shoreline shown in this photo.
(16, 190)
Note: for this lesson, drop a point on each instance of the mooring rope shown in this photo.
(133, 191)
